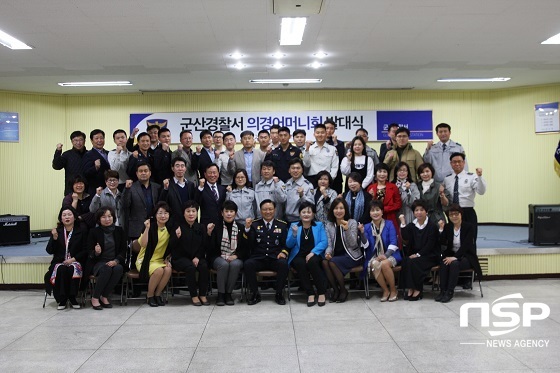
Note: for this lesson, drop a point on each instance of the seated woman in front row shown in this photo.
(189, 255)
(155, 246)
(379, 240)
(107, 254)
(307, 240)
(423, 250)
(68, 248)
(343, 251)
(225, 247)
(460, 252)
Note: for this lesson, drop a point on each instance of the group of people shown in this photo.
(271, 205)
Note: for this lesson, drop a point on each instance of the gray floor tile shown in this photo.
(171, 314)
(139, 360)
(403, 309)
(432, 355)
(237, 359)
(88, 316)
(350, 310)
(154, 336)
(539, 357)
(12, 333)
(357, 357)
(339, 332)
(40, 360)
(248, 334)
(262, 312)
(425, 328)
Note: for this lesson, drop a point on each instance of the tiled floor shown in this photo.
(359, 335)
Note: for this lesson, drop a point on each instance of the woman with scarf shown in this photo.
(155, 245)
(358, 161)
(357, 199)
(107, 254)
(379, 240)
(433, 193)
(68, 248)
(225, 245)
(407, 189)
(343, 251)
(307, 241)
(386, 192)
(323, 195)
(189, 256)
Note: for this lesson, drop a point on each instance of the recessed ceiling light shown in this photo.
(459, 80)
(315, 64)
(320, 54)
(9, 41)
(95, 84)
(239, 66)
(278, 55)
(236, 55)
(291, 30)
(277, 65)
(285, 81)
(552, 40)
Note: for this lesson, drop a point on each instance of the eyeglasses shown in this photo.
(112, 180)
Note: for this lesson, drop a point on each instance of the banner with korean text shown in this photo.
(375, 122)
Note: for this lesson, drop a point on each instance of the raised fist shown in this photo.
(128, 184)
(388, 144)
(164, 146)
(401, 218)
(361, 228)
(54, 233)
(98, 191)
(231, 154)
(275, 179)
(147, 224)
(217, 153)
(479, 172)
(135, 154)
(119, 149)
(180, 147)
(307, 145)
(97, 164)
(334, 138)
(209, 228)
(166, 184)
(407, 185)
(248, 223)
(198, 149)
(229, 189)
(75, 196)
(201, 183)
(178, 232)
(344, 224)
(59, 147)
(98, 249)
(135, 132)
(294, 229)
(430, 144)
(441, 224)
(300, 191)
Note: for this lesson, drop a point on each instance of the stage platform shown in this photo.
(502, 250)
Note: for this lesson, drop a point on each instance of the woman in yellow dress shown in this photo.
(155, 246)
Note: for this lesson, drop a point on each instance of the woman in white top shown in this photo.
(357, 161)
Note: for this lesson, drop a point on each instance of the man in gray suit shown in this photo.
(184, 151)
(248, 158)
(139, 199)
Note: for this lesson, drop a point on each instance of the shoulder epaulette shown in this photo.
(470, 173)
(282, 221)
(449, 175)
(458, 144)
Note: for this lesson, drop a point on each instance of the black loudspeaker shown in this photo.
(544, 224)
(14, 230)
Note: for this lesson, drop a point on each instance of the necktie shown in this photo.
(268, 226)
(215, 192)
(444, 147)
(456, 190)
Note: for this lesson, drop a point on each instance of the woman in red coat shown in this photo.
(386, 192)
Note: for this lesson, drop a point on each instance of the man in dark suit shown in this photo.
(178, 190)
(204, 155)
(210, 195)
(95, 162)
(162, 157)
(139, 199)
(267, 242)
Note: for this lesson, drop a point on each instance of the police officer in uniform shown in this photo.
(298, 189)
(267, 242)
(270, 187)
(463, 187)
(282, 155)
(438, 154)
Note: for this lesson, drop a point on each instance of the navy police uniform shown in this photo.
(266, 244)
(281, 160)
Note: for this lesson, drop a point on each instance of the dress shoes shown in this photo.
(106, 305)
(61, 306)
(221, 301)
(152, 302)
(229, 299)
(334, 296)
(447, 297)
(97, 308)
(467, 285)
(342, 297)
(415, 298)
(74, 303)
(440, 296)
(311, 303)
(205, 302)
(159, 301)
(279, 298)
(255, 298)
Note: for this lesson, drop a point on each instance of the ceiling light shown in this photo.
(285, 81)
(9, 41)
(239, 66)
(552, 40)
(236, 55)
(460, 80)
(95, 84)
(320, 54)
(291, 30)
(277, 65)
(278, 55)
(315, 65)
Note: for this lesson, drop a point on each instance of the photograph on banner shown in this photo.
(9, 127)
(348, 122)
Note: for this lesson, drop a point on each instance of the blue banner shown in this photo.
(419, 123)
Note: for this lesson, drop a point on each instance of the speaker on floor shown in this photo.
(544, 224)
(14, 230)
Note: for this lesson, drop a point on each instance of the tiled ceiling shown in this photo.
(169, 45)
